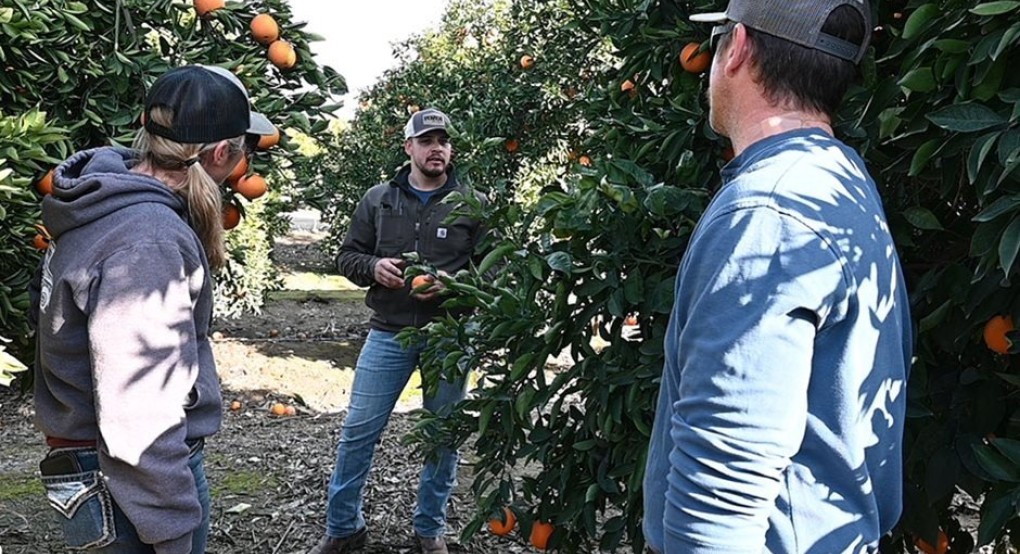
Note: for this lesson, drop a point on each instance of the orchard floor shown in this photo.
(268, 474)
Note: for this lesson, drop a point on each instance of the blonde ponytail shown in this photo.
(202, 194)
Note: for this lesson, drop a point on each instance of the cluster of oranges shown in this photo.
(540, 530)
(265, 30)
(278, 409)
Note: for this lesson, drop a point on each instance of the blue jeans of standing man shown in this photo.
(384, 367)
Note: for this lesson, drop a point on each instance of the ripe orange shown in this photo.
(45, 184)
(205, 7)
(239, 170)
(282, 54)
(231, 216)
(290, 411)
(627, 85)
(512, 145)
(502, 527)
(585, 161)
(413, 109)
(235, 405)
(527, 62)
(421, 281)
(251, 187)
(540, 533)
(995, 333)
(692, 61)
(278, 409)
(927, 548)
(268, 141)
(264, 29)
(40, 242)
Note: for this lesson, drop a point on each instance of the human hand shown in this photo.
(389, 272)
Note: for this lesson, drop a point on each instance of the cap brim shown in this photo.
(715, 17)
(259, 124)
(428, 130)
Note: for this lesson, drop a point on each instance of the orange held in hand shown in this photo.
(540, 533)
(995, 334)
(693, 61)
(421, 281)
(503, 526)
(941, 548)
(264, 29)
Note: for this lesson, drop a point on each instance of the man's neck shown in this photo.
(421, 181)
(765, 123)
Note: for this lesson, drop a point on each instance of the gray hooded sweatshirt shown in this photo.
(123, 307)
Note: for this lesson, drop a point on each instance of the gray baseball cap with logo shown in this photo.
(798, 21)
(425, 121)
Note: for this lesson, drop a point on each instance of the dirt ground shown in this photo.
(268, 474)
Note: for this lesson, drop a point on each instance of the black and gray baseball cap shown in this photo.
(798, 21)
(424, 121)
(209, 104)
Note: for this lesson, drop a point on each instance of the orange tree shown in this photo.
(82, 68)
(936, 118)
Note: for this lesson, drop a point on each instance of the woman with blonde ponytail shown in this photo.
(126, 389)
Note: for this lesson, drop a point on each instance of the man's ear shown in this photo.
(738, 51)
(407, 146)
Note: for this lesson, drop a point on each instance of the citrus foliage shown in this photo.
(579, 247)
(82, 68)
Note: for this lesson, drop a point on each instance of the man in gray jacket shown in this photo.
(404, 215)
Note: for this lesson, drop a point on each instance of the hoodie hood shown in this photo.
(95, 183)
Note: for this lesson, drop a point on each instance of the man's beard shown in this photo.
(432, 173)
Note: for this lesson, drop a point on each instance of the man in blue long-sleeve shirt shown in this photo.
(780, 417)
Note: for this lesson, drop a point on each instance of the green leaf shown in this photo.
(923, 154)
(937, 316)
(997, 509)
(1009, 146)
(966, 118)
(952, 45)
(922, 218)
(997, 465)
(1009, 448)
(978, 152)
(995, 8)
(920, 79)
(560, 261)
(1002, 205)
(1009, 246)
(919, 20)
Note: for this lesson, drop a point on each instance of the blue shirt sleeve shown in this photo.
(756, 288)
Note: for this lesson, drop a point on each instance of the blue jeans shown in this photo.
(383, 370)
(81, 530)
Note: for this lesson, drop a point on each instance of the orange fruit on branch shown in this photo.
(251, 187)
(268, 141)
(512, 145)
(264, 29)
(995, 334)
(540, 533)
(527, 62)
(282, 54)
(45, 184)
(239, 170)
(40, 242)
(694, 61)
(205, 7)
(585, 161)
(504, 526)
(231, 216)
(941, 548)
